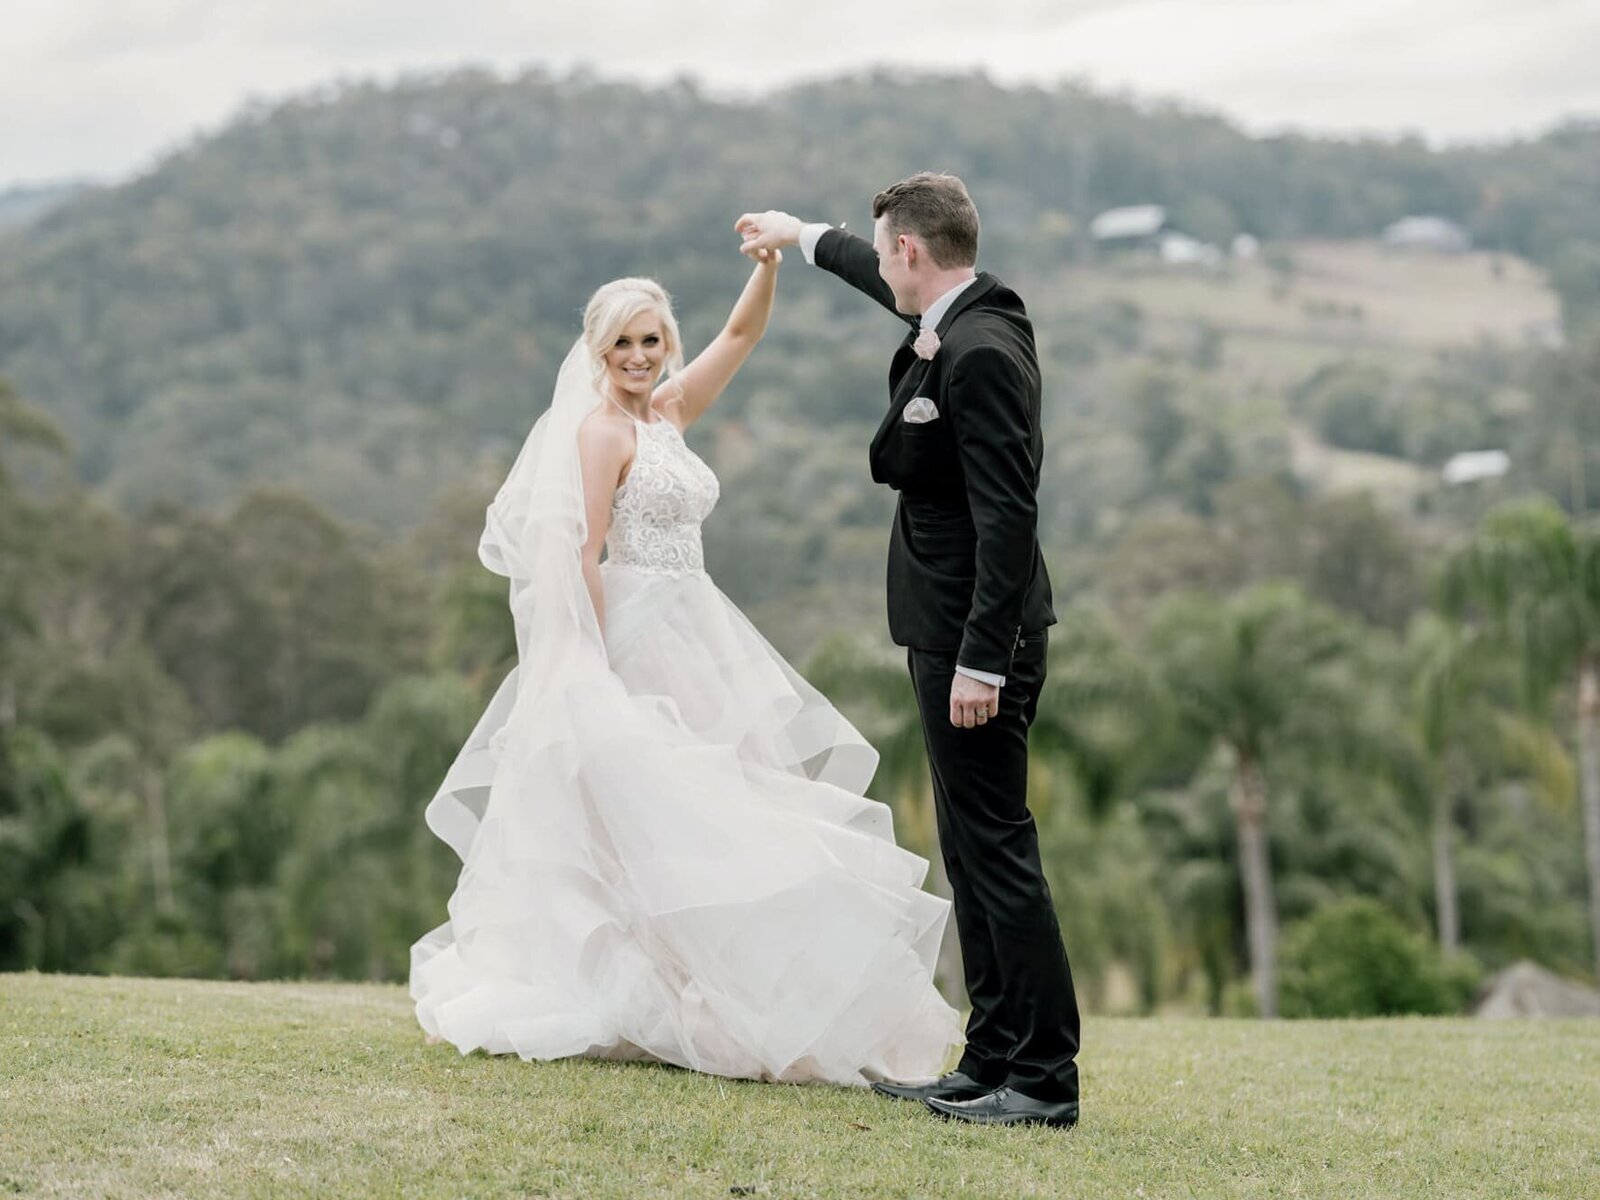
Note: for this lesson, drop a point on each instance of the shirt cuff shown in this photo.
(810, 235)
(988, 677)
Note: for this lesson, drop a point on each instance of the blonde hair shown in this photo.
(617, 303)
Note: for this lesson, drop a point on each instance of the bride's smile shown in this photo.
(633, 364)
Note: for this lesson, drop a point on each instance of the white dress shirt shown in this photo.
(809, 236)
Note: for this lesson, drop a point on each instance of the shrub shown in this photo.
(1356, 958)
(1356, 414)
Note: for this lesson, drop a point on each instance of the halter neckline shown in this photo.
(629, 415)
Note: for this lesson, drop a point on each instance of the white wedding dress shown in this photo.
(668, 856)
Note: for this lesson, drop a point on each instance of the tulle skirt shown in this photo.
(672, 860)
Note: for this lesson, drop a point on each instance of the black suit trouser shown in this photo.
(1023, 1031)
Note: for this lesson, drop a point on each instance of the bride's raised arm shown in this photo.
(688, 394)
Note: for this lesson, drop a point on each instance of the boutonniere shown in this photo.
(926, 345)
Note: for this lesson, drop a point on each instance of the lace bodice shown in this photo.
(656, 514)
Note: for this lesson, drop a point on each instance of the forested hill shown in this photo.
(20, 205)
(220, 718)
(363, 290)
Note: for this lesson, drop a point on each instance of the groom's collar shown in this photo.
(934, 313)
(960, 299)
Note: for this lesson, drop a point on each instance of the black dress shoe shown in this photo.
(954, 1086)
(1007, 1107)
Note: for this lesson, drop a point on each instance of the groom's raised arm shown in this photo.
(843, 254)
(853, 260)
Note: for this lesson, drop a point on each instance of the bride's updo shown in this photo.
(617, 303)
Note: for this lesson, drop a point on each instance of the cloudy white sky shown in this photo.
(99, 88)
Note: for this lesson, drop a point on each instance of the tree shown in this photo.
(23, 546)
(1249, 674)
(1456, 724)
(1361, 560)
(337, 619)
(1097, 737)
(1099, 711)
(336, 881)
(420, 723)
(44, 840)
(205, 617)
(229, 831)
(1559, 438)
(1576, 279)
(1353, 408)
(1535, 575)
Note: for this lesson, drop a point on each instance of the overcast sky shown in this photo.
(99, 88)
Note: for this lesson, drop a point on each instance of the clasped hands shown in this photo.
(764, 234)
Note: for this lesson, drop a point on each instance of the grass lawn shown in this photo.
(136, 1087)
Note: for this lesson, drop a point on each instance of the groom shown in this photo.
(969, 598)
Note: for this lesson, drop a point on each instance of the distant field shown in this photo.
(1340, 300)
(1340, 297)
(1428, 300)
(1328, 468)
(132, 1087)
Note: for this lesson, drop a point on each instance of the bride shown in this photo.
(665, 850)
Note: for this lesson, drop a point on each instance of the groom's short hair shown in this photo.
(938, 209)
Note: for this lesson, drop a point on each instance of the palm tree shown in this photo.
(1099, 709)
(1250, 673)
(1456, 723)
(1536, 576)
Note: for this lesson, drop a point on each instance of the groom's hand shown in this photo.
(770, 230)
(972, 702)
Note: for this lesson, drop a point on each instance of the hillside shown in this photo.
(133, 1087)
(363, 290)
(243, 630)
(21, 205)
(1321, 298)
(1265, 326)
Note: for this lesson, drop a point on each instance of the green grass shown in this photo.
(135, 1087)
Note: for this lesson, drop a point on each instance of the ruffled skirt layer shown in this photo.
(672, 860)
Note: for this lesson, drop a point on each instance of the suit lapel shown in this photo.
(907, 371)
(904, 360)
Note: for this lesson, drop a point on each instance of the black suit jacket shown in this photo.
(965, 569)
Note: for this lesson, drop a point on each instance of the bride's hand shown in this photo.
(762, 255)
(766, 231)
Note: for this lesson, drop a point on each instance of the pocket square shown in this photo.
(920, 411)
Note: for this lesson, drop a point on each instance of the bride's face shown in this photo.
(633, 363)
